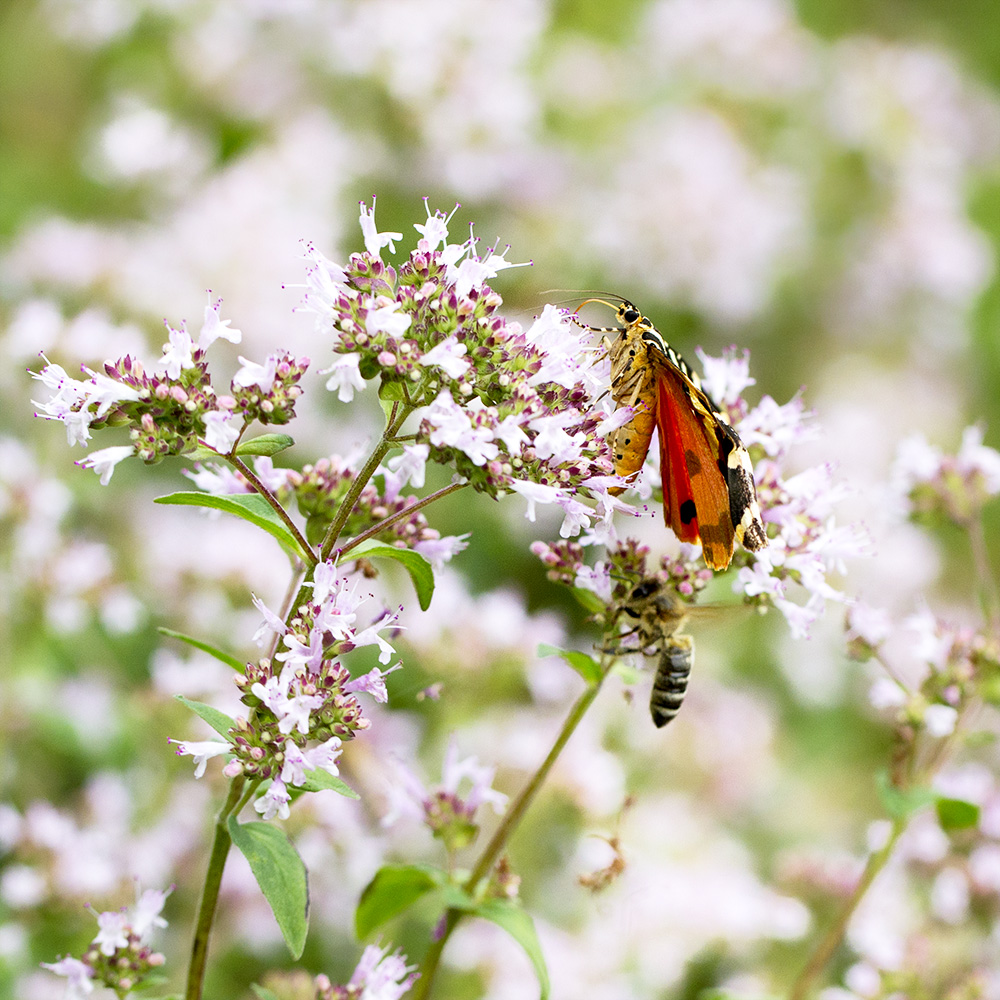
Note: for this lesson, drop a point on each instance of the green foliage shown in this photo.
(219, 721)
(281, 875)
(394, 889)
(250, 507)
(420, 570)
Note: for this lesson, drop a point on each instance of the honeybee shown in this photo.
(659, 617)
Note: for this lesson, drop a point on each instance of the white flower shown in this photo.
(438, 551)
(79, 976)
(345, 376)
(509, 433)
(113, 931)
(453, 428)
(103, 462)
(221, 430)
(214, 327)
(449, 356)
(552, 442)
(917, 461)
(725, 378)
(274, 802)
(870, 624)
(271, 622)
(776, 427)
(411, 465)
(202, 751)
(973, 457)
(535, 493)
(886, 693)
(216, 479)
(435, 230)
(254, 374)
(596, 580)
(940, 720)
(178, 353)
(381, 976)
(146, 912)
(387, 319)
(454, 771)
(374, 240)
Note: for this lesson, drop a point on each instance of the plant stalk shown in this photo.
(493, 850)
(831, 940)
(210, 892)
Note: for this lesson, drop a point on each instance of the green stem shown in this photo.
(210, 892)
(260, 488)
(376, 529)
(988, 595)
(835, 933)
(509, 823)
(395, 421)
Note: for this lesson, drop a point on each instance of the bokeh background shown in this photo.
(817, 181)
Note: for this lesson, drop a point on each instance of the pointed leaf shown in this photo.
(901, 803)
(265, 444)
(516, 921)
(219, 721)
(589, 600)
(420, 570)
(229, 661)
(281, 875)
(956, 814)
(262, 992)
(250, 506)
(320, 781)
(394, 889)
(586, 666)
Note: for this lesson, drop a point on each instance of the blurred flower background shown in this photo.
(818, 182)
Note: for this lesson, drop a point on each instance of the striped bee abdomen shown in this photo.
(671, 680)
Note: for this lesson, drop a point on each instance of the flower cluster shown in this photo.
(510, 409)
(378, 976)
(320, 488)
(930, 482)
(119, 956)
(944, 669)
(805, 544)
(449, 814)
(174, 411)
(302, 702)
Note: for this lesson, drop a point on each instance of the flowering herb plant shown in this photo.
(507, 410)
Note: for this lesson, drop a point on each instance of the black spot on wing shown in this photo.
(688, 511)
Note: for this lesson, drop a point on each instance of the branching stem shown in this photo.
(498, 842)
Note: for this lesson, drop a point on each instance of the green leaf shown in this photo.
(219, 721)
(585, 665)
(321, 781)
(263, 993)
(956, 814)
(516, 921)
(901, 803)
(250, 506)
(394, 889)
(589, 600)
(229, 661)
(281, 875)
(265, 444)
(420, 570)
(391, 392)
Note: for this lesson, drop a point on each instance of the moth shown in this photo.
(659, 617)
(708, 488)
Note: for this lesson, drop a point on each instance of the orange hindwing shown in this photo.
(708, 487)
